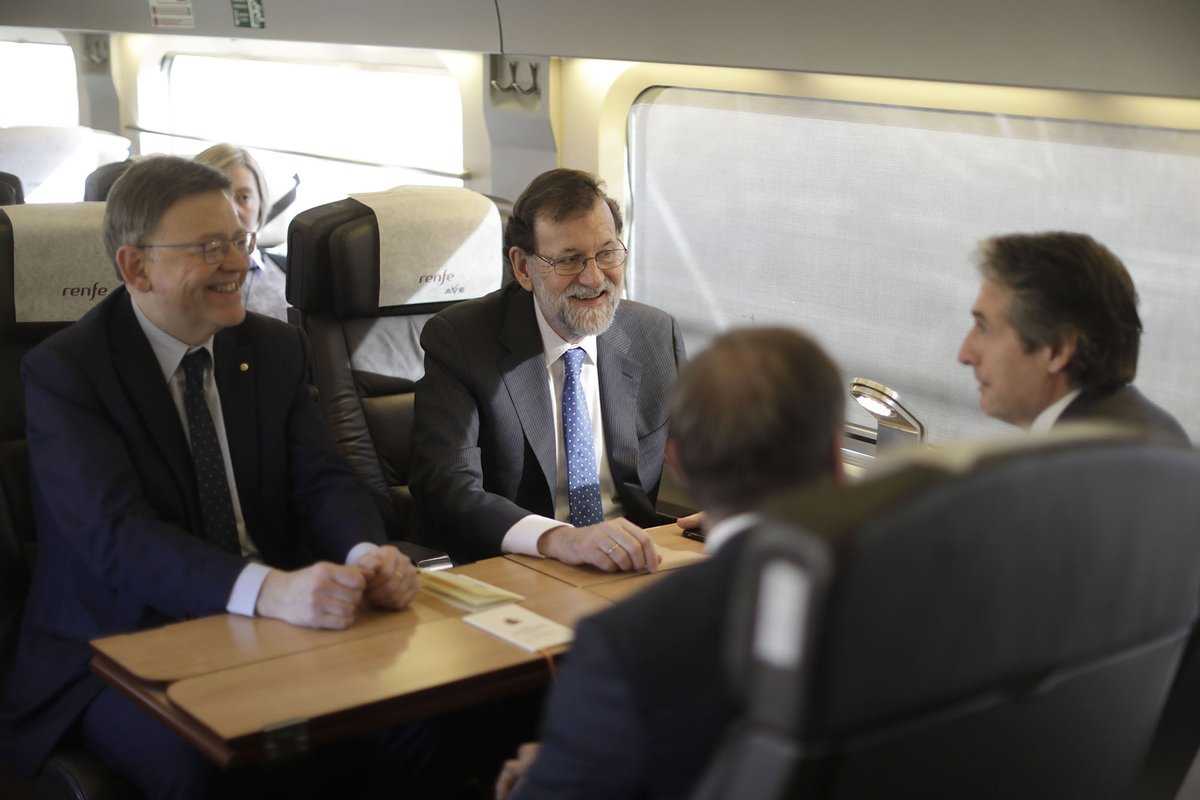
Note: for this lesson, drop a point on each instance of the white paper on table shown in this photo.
(520, 626)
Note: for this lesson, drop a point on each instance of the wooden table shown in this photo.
(244, 689)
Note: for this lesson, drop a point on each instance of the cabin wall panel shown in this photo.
(447, 24)
(1117, 46)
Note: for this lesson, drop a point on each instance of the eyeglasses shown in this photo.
(214, 250)
(573, 265)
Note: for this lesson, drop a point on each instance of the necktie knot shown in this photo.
(194, 364)
(574, 359)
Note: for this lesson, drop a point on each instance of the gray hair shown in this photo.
(225, 157)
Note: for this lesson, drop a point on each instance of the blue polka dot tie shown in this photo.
(583, 483)
(216, 507)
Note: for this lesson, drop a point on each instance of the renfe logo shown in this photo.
(90, 292)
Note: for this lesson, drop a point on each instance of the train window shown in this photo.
(402, 115)
(858, 222)
(338, 127)
(46, 93)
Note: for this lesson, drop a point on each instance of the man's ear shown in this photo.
(520, 267)
(1062, 352)
(131, 263)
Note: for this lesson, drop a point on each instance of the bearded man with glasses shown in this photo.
(542, 419)
(180, 467)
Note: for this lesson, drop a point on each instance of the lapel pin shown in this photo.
(244, 367)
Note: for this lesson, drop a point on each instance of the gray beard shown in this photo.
(576, 320)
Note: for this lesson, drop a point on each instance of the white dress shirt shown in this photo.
(170, 352)
(1050, 414)
(523, 536)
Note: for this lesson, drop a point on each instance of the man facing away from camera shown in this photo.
(642, 702)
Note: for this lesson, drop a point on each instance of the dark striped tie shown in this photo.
(216, 507)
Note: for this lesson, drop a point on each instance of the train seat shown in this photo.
(366, 350)
(100, 181)
(37, 300)
(1007, 630)
(12, 193)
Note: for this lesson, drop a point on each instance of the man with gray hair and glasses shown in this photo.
(180, 467)
(542, 416)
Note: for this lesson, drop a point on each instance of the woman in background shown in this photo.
(266, 283)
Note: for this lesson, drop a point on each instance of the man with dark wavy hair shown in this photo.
(1056, 336)
(542, 416)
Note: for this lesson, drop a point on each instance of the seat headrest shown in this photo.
(903, 476)
(99, 183)
(11, 191)
(416, 248)
(53, 265)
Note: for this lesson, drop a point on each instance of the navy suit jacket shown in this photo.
(484, 454)
(119, 529)
(644, 698)
(1125, 405)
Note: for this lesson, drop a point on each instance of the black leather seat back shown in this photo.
(12, 193)
(1011, 631)
(17, 533)
(100, 181)
(367, 358)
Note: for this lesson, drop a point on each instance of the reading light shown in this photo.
(894, 424)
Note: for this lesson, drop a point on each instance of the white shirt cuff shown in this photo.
(244, 597)
(523, 536)
(359, 550)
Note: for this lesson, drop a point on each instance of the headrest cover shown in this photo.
(959, 457)
(435, 244)
(60, 267)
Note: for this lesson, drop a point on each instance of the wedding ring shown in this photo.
(611, 546)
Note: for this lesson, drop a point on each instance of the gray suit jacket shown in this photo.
(484, 454)
(1125, 406)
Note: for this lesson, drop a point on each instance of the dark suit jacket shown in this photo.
(484, 433)
(644, 699)
(118, 515)
(1126, 406)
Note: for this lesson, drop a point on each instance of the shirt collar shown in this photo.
(167, 349)
(727, 528)
(1050, 414)
(553, 345)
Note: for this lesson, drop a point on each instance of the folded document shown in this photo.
(520, 626)
(464, 590)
